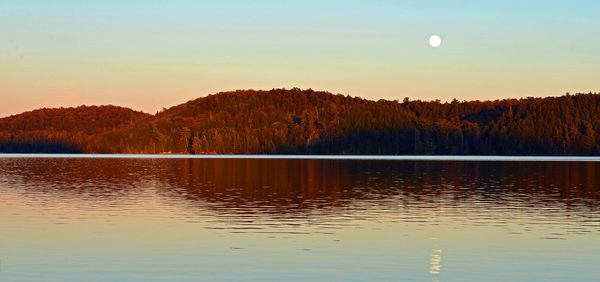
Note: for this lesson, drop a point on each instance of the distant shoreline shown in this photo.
(316, 157)
(298, 122)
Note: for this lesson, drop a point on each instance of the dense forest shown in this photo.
(297, 121)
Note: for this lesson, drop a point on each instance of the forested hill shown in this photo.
(298, 121)
(64, 129)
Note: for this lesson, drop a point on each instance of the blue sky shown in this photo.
(152, 54)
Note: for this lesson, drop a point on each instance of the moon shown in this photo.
(435, 41)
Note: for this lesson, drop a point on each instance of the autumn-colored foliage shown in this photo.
(298, 121)
(63, 130)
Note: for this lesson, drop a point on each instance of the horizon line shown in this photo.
(317, 157)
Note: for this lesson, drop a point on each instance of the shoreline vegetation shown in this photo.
(308, 122)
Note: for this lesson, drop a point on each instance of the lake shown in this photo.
(298, 218)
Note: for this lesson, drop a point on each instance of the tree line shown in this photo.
(295, 121)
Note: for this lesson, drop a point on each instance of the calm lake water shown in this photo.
(302, 219)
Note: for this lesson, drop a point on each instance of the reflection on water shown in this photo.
(435, 262)
(298, 219)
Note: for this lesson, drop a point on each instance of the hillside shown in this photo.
(277, 121)
(62, 129)
(298, 121)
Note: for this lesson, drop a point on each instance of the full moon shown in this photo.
(435, 41)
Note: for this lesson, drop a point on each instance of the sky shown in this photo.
(153, 54)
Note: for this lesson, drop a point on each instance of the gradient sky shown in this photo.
(153, 54)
